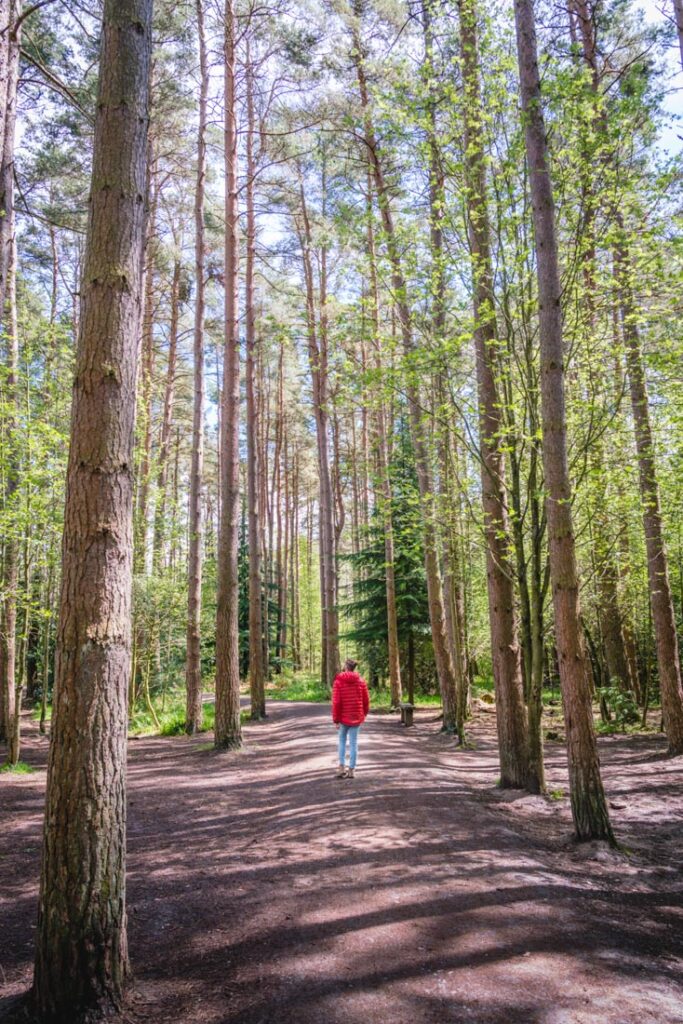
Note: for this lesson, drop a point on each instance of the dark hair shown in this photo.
(350, 665)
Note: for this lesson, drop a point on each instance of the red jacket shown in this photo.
(350, 699)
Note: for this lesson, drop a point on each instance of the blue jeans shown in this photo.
(352, 732)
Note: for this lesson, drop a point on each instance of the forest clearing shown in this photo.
(341, 511)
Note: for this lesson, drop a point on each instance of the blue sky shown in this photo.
(672, 137)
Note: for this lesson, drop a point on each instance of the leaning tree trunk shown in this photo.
(589, 806)
(228, 730)
(517, 768)
(193, 665)
(437, 617)
(81, 946)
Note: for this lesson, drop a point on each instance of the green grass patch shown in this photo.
(20, 768)
(303, 686)
(556, 794)
(170, 716)
(35, 714)
(308, 687)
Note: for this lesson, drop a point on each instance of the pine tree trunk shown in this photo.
(81, 946)
(228, 730)
(160, 526)
(256, 670)
(10, 685)
(661, 600)
(507, 665)
(589, 806)
(317, 355)
(9, 704)
(193, 665)
(678, 11)
(385, 495)
(10, 45)
(142, 547)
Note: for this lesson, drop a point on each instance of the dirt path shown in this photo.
(261, 889)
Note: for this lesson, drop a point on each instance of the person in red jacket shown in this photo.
(350, 705)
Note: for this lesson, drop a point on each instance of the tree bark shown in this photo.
(256, 667)
(228, 730)
(10, 46)
(81, 946)
(589, 806)
(661, 600)
(385, 494)
(515, 762)
(193, 665)
(160, 527)
(678, 11)
(9, 79)
(317, 354)
(10, 685)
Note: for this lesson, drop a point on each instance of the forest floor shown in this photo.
(262, 890)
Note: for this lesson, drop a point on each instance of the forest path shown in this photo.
(263, 889)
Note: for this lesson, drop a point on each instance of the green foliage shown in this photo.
(367, 606)
(20, 768)
(170, 713)
(305, 687)
(621, 705)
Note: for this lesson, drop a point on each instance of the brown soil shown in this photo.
(264, 891)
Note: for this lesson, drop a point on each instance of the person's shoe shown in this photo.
(341, 772)
(349, 774)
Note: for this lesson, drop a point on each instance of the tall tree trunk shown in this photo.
(663, 617)
(160, 526)
(193, 665)
(661, 600)
(10, 679)
(444, 664)
(256, 668)
(678, 11)
(143, 547)
(228, 731)
(385, 495)
(519, 767)
(589, 807)
(10, 46)
(331, 537)
(317, 354)
(81, 946)
(9, 704)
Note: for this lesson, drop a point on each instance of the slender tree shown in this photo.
(81, 946)
(661, 600)
(678, 13)
(193, 665)
(228, 730)
(10, 13)
(384, 489)
(256, 666)
(589, 806)
(517, 768)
